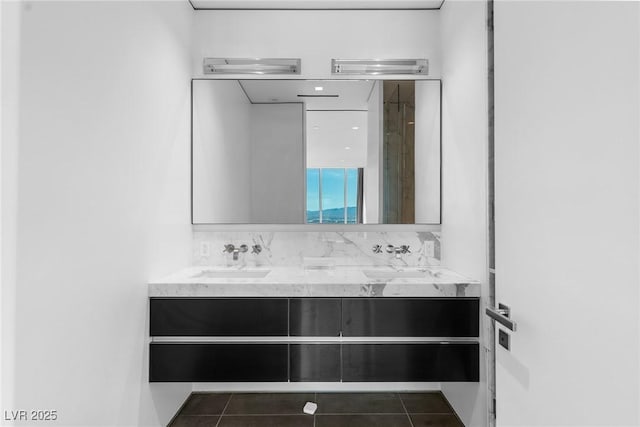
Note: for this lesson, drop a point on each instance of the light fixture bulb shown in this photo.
(319, 88)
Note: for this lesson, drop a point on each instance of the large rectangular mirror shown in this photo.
(315, 151)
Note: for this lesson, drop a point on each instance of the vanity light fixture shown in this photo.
(251, 65)
(380, 66)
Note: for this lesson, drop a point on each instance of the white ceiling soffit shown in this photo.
(316, 4)
(333, 94)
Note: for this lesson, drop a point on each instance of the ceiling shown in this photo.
(336, 139)
(336, 117)
(316, 4)
(335, 94)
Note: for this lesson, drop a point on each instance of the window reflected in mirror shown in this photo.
(334, 196)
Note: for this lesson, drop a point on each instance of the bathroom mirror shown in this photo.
(315, 151)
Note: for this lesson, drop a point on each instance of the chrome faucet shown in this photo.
(230, 248)
(398, 250)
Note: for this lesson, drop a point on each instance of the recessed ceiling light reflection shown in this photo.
(319, 88)
(355, 128)
(347, 148)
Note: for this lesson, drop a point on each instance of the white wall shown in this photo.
(277, 164)
(464, 138)
(567, 105)
(372, 185)
(221, 152)
(9, 106)
(102, 204)
(318, 36)
(427, 152)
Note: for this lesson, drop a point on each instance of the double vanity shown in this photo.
(312, 152)
(316, 153)
(319, 323)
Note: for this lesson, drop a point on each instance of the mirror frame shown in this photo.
(307, 227)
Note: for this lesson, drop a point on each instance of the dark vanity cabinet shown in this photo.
(212, 362)
(410, 317)
(424, 361)
(315, 317)
(315, 362)
(314, 339)
(440, 351)
(229, 317)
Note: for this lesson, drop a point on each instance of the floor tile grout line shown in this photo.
(224, 409)
(361, 413)
(315, 400)
(268, 415)
(276, 415)
(199, 415)
(377, 414)
(297, 414)
(405, 410)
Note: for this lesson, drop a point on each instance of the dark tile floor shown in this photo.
(334, 410)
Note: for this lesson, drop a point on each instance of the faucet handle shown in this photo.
(377, 249)
(256, 249)
(390, 249)
(243, 248)
(229, 248)
(405, 249)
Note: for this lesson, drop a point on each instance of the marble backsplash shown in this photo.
(297, 248)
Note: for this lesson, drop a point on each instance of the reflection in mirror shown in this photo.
(315, 152)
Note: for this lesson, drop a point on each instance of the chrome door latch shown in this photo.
(502, 315)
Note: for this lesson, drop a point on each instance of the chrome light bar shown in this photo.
(252, 65)
(379, 66)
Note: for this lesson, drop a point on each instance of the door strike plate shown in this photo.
(504, 339)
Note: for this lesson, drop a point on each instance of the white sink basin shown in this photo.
(392, 274)
(231, 274)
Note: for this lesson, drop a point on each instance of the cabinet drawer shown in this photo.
(200, 362)
(410, 362)
(219, 317)
(314, 317)
(399, 317)
(315, 362)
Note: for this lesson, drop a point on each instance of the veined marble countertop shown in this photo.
(315, 281)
